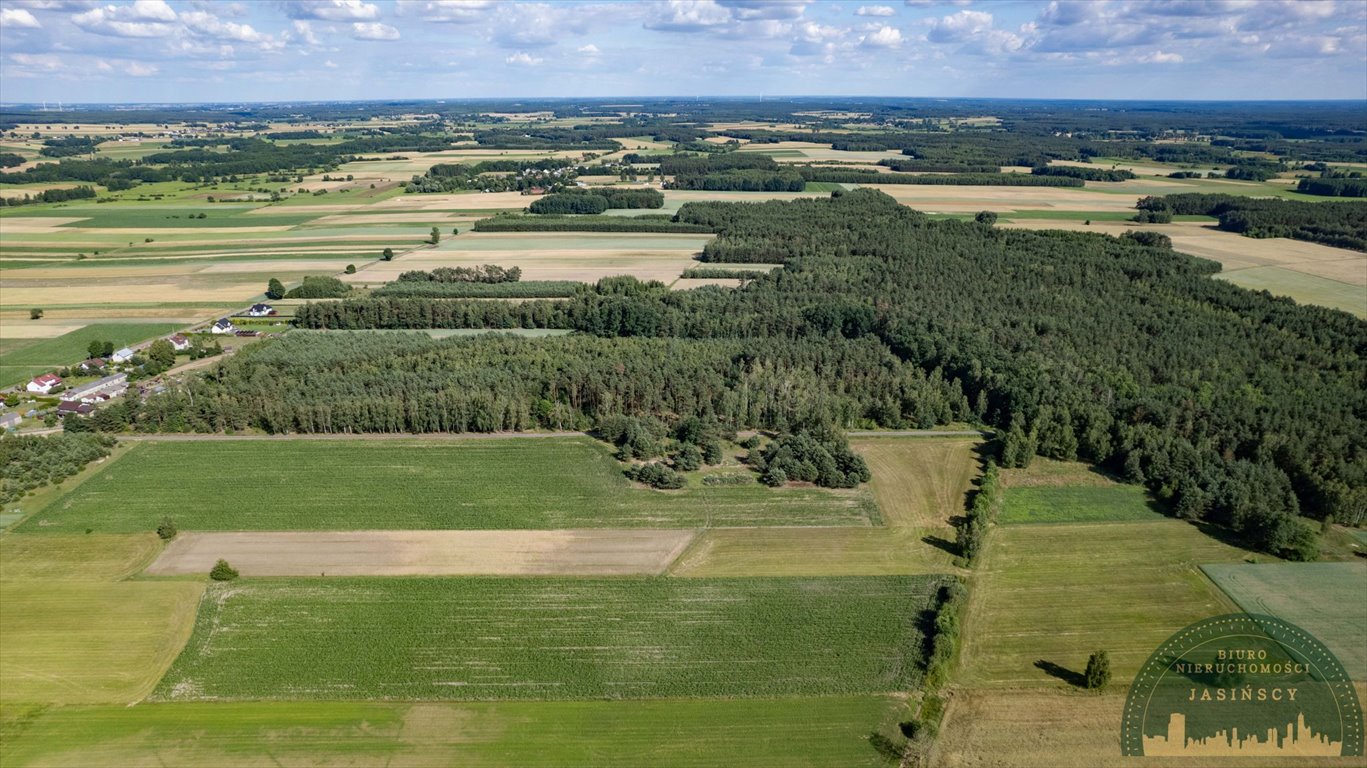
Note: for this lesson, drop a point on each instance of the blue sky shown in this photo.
(271, 50)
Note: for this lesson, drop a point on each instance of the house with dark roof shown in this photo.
(224, 325)
(71, 406)
(179, 342)
(93, 364)
(260, 310)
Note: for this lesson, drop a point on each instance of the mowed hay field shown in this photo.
(1328, 600)
(421, 484)
(513, 638)
(71, 634)
(807, 732)
(918, 483)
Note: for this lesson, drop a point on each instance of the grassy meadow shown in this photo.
(556, 638)
(26, 358)
(420, 484)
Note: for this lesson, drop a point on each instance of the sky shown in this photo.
(76, 51)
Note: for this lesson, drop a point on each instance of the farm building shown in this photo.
(222, 326)
(71, 406)
(123, 355)
(93, 364)
(178, 342)
(99, 389)
(9, 421)
(260, 310)
(44, 384)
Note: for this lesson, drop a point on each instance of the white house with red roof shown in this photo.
(44, 384)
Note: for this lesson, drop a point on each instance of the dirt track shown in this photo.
(604, 552)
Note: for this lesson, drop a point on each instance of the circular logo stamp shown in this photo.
(1242, 684)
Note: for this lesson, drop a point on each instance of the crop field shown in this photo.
(918, 484)
(586, 552)
(812, 732)
(1076, 504)
(1055, 593)
(509, 638)
(23, 361)
(420, 484)
(1324, 599)
(79, 557)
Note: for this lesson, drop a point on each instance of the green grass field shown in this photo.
(537, 483)
(1328, 600)
(1043, 504)
(1304, 288)
(1055, 593)
(572, 638)
(809, 732)
(44, 355)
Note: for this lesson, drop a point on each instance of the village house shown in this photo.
(93, 364)
(222, 326)
(99, 389)
(179, 342)
(44, 384)
(71, 406)
(123, 355)
(260, 310)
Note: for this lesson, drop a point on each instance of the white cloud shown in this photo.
(751, 10)
(589, 50)
(140, 69)
(330, 64)
(209, 25)
(303, 30)
(17, 17)
(959, 27)
(882, 37)
(38, 62)
(446, 11)
(373, 30)
(1159, 57)
(875, 10)
(688, 16)
(333, 10)
(522, 59)
(144, 18)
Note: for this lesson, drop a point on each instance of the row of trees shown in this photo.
(552, 223)
(1339, 224)
(485, 273)
(992, 178)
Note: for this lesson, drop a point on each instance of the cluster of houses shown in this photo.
(81, 399)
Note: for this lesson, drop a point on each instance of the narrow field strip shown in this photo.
(600, 552)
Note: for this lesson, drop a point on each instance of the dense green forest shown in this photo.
(1339, 224)
(992, 178)
(1232, 406)
(31, 462)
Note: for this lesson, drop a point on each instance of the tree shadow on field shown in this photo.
(1063, 673)
(942, 543)
(889, 749)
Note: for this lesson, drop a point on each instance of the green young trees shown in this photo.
(1098, 673)
(275, 289)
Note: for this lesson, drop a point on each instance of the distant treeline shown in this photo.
(50, 196)
(927, 166)
(553, 223)
(597, 136)
(1342, 225)
(494, 176)
(596, 200)
(1086, 174)
(865, 176)
(713, 273)
(1334, 186)
(522, 289)
(485, 273)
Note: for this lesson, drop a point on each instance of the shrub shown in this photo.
(688, 458)
(351, 269)
(1098, 673)
(656, 475)
(166, 529)
(222, 571)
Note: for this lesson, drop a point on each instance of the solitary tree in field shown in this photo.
(388, 254)
(1098, 672)
(35, 314)
(351, 269)
(436, 236)
(275, 289)
(166, 529)
(986, 217)
(222, 571)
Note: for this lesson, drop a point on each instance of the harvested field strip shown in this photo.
(79, 557)
(818, 732)
(1328, 600)
(414, 484)
(501, 638)
(590, 552)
